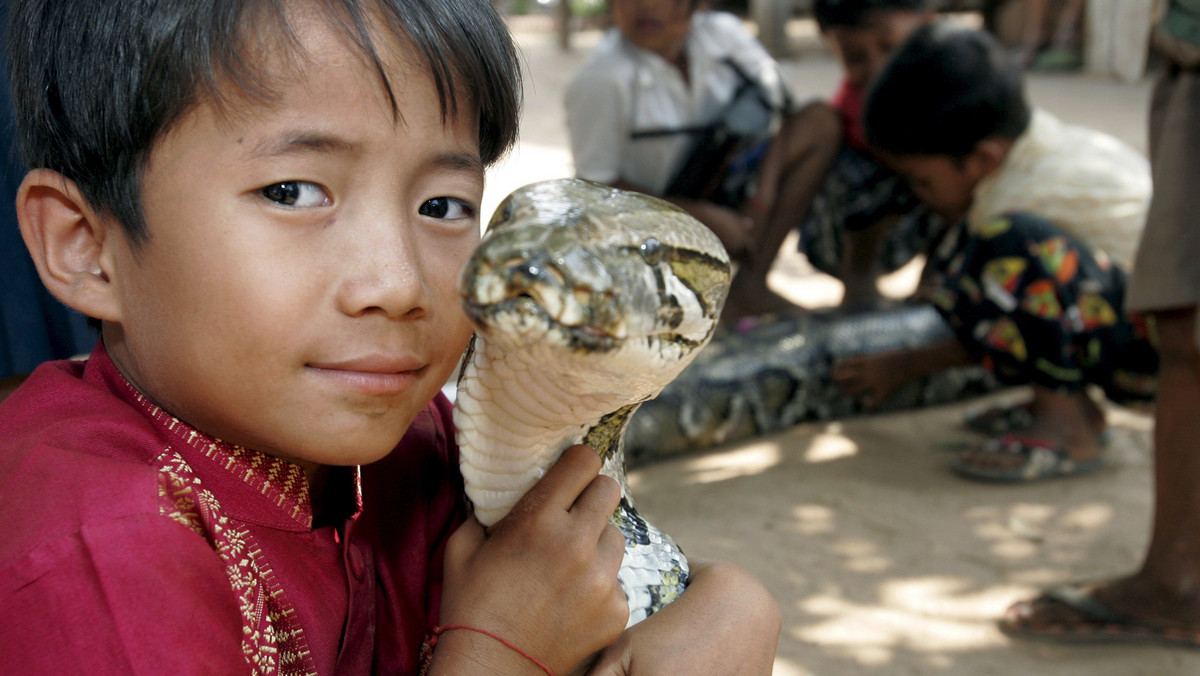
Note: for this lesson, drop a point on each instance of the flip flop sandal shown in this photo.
(999, 420)
(1057, 58)
(1039, 459)
(1012, 419)
(1073, 614)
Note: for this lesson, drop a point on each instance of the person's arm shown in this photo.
(873, 377)
(725, 624)
(543, 578)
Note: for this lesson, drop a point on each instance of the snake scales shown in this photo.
(586, 302)
(780, 374)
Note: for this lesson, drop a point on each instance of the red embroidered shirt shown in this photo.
(135, 544)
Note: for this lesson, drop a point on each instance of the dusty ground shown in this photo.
(881, 560)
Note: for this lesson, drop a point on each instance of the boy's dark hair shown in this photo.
(96, 83)
(859, 13)
(944, 90)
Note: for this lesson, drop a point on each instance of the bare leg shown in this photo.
(1034, 28)
(873, 377)
(792, 172)
(1062, 50)
(1165, 592)
(1068, 24)
(734, 229)
(1167, 588)
(860, 269)
(1071, 421)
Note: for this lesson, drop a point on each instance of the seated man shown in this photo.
(642, 108)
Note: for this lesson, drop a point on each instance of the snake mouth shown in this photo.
(531, 299)
(526, 316)
(525, 296)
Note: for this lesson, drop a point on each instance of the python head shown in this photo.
(617, 279)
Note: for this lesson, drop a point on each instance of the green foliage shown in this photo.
(588, 8)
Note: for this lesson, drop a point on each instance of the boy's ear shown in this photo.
(70, 244)
(988, 155)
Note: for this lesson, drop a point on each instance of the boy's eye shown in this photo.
(296, 194)
(445, 207)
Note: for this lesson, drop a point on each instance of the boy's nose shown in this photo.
(385, 275)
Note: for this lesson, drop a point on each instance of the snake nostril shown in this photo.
(525, 274)
(532, 271)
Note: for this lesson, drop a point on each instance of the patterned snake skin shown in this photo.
(586, 302)
(780, 374)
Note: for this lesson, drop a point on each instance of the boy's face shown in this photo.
(297, 294)
(659, 26)
(863, 50)
(943, 183)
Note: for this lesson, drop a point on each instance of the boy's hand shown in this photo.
(544, 577)
(725, 624)
(872, 378)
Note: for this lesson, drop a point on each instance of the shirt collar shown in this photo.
(251, 486)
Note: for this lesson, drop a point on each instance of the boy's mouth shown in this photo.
(372, 374)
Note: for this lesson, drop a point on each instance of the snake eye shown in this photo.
(651, 251)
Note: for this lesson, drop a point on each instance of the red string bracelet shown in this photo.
(439, 630)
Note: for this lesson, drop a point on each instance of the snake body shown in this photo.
(586, 302)
(780, 374)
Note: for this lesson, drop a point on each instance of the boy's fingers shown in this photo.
(848, 366)
(563, 483)
(611, 550)
(846, 379)
(601, 497)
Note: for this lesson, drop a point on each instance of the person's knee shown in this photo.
(821, 114)
(816, 125)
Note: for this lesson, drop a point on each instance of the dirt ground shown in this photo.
(881, 560)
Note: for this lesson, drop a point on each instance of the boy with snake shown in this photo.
(265, 206)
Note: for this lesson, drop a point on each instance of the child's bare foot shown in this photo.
(872, 378)
(1017, 418)
(1133, 609)
(1063, 439)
